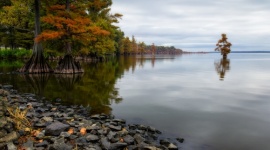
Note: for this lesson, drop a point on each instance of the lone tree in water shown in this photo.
(223, 46)
(37, 62)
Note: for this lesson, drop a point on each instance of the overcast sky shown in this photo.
(196, 25)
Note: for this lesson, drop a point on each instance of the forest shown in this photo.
(68, 29)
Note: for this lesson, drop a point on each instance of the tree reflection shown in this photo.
(95, 88)
(67, 81)
(221, 67)
(38, 82)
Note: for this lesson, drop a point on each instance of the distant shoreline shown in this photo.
(244, 52)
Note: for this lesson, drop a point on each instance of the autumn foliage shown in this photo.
(223, 46)
(70, 26)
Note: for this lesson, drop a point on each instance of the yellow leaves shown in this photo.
(19, 117)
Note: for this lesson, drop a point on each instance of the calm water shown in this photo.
(214, 104)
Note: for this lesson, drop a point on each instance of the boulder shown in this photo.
(55, 129)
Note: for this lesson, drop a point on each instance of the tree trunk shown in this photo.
(68, 64)
(37, 62)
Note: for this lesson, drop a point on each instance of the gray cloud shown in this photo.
(196, 25)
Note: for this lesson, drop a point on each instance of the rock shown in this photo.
(105, 143)
(111, 135)
(81, 140)
(62, 146)
(181, 140)
(3, 122)
(138, 138)
(3, 133)
(95, 117)
(118, 145)
(41, 135)
(7, 86)
(28, 145)
(119, 120)
(92, 138)
(65, 134)
(9, 137)
(11, 146)
(42, 144)
(165, 142)
(172, 147)
(117, 128)
(47, 119)
(151, 148)
(129, 139)
(56, 128)
(151, 129)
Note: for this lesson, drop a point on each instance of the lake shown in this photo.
(214, 104)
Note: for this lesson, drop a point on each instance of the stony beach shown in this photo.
(54, 126)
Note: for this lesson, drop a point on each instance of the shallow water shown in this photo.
(214, 104)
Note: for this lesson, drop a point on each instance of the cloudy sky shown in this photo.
(196, 25)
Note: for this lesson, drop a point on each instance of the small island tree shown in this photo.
(223, 46)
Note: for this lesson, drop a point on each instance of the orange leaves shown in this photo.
(83, 131)
(71, 131)
(49, 35)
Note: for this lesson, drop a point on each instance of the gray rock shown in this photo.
(81, 141)
(10, 137)
(117, 128)
(111, 135)
(42, 144)
(56, 128)
(151, 148)
(95, 117)
(92, 138)
(138, 138)
(165, 142)
(11, 146)
(181, 140)
(29, 145)
(47, 119)
(62, 146)
(119, 120)
(118, 145)
(129, 139)
(65, 134)
(105, 143)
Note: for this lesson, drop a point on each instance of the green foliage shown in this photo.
(15, 54)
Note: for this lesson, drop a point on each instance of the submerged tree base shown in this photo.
(37, 62)
(68, 65)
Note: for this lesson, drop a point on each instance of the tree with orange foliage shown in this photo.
(37, 62)
(223, 46)
(69, 23)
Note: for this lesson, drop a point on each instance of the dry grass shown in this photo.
(19, 118)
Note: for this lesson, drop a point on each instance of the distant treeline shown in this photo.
(163, 50)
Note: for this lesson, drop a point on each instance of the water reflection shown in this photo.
(68, 81)
(95, 88)
(222, 66)
(38, 82)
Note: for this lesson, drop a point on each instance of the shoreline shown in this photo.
(57, 126)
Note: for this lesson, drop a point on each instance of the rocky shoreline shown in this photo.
(58, 127)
